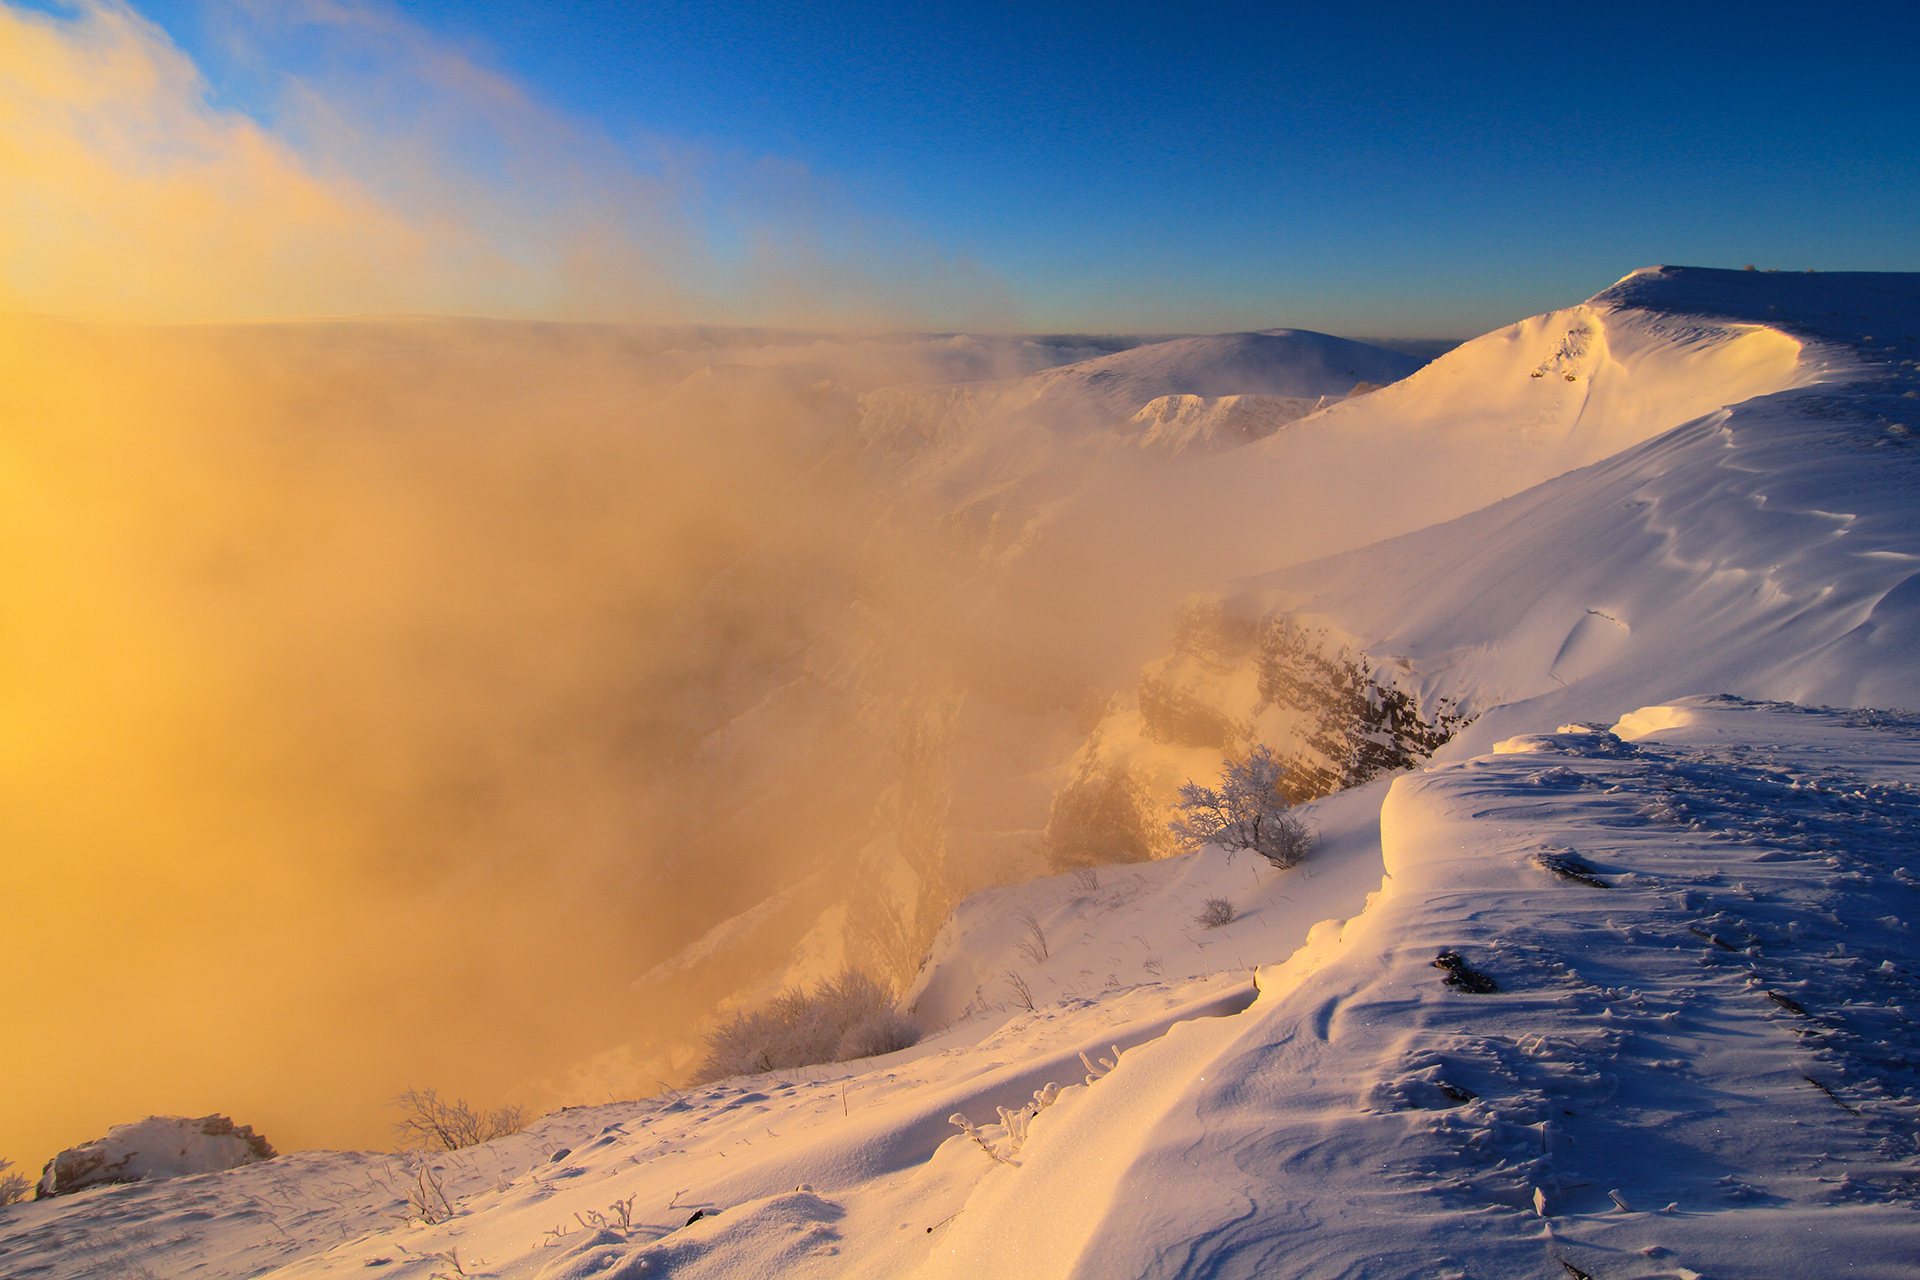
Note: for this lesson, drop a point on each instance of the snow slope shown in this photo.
(1752, 548)
(1720, 1038)
(1472, 428)
(1767, 548)
(1114, 927)
(1699, 1059)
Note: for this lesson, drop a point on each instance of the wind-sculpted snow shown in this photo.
(1700, 1069)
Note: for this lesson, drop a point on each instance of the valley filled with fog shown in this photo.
(531, 702)
(668, 667)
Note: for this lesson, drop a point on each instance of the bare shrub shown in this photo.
(447, 1124)
(1216, 912)
(1086, 879)
(848, 1016)
(1022, 993)
(1034, 945)
(427, 1201)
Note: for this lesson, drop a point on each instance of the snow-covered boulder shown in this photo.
(151, 1149)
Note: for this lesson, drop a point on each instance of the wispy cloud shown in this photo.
(395, 173)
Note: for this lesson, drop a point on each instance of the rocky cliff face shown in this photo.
(1176, 424)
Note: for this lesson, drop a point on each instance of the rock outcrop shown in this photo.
(154, 1148)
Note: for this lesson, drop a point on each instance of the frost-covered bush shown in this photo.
(1216, 912)
(1014, 1123)
(1249, 811)
(848, 1016)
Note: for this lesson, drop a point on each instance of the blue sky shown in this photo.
(1363, 168)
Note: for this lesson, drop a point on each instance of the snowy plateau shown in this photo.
(1620, 982)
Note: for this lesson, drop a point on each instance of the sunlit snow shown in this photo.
(1662, 547)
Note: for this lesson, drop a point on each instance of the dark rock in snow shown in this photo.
(1460, 974)
(1563, 864)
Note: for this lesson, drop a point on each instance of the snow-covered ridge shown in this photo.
(1684, 1072)
(1477, 425)
(1281, 362)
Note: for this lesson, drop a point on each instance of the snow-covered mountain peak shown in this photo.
(1836, 300)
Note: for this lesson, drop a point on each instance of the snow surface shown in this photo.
(1696, 907)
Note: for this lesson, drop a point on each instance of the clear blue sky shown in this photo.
(1410, 169)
